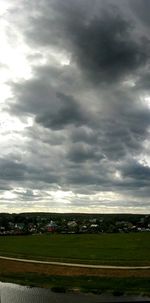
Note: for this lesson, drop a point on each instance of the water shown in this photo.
(12, 293)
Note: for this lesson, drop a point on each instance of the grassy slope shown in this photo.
(125, 249)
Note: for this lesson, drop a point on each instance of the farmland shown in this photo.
(108, 249)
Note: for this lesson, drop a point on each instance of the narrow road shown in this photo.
(75, 264)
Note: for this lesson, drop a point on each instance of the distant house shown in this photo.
(51, 227)
(72, 226)
(93, 228)
(93, 220)
(18, 228)
(32, 228)
(83, 229)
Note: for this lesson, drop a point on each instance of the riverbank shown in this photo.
(13, 293)
(61, 278)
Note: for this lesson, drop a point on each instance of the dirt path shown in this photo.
(11, 267)
(76, 264)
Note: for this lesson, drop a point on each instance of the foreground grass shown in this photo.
(62, 278)
(114, 249)
(115, 286)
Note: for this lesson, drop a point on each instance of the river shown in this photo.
(12, 293)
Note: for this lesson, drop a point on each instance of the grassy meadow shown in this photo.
(113, 249)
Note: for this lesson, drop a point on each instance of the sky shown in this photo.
(75, 106)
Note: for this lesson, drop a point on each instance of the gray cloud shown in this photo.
(105, 49)
(69, 113)
(143, 82)
(11, 170)
(100, 39)
(90, 121)
(137, 171)
(80, 152)
(141, 9)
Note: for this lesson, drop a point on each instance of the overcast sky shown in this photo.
(75, 106)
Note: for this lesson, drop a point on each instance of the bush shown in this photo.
(58, 289)
(118, 293)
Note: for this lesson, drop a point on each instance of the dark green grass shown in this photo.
(115, 286)
(115, 249)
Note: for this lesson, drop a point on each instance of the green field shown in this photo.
(114, 249)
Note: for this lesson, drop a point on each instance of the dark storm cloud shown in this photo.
(97, 172)
(104, 44)
(120, 133)
(101, 40)
(90, 122)
(106, 50)
(11, 170)
(47, 137)
(84, 134)
(125, 133)
(143, 83)
(69, 113)
(33, 96)
(85, 178)
(141, 8)
(137, 171)
(119, 128)
(51, 107)
(80, 152)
